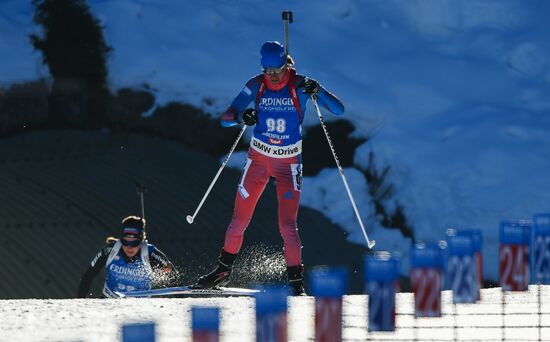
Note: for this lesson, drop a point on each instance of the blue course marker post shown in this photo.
(328, 285)
(477, 239)
(540, 255)
(205, 322)
(381, 276)
(427, 278)
(513, 265)
(461, 269)
(138, 332)
(271, 314)
(540, 258)
(515, 238)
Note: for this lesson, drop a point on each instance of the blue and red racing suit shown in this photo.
(275, 151)
(125, 273)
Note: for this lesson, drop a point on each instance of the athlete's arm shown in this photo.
(167, 275)
(248, 94)
(159, 261)
(98, 262)
(330, 101)
(324, 97)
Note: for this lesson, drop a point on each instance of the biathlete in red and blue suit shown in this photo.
(279, 97)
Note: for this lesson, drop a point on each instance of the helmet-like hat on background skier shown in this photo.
(273, 55)
(133, 226)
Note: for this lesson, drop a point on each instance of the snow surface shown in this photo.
(90, 320)
(453, 94)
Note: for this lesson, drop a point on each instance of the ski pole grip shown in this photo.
(140, 187)
(287, 16)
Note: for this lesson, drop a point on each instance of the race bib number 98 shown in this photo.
(278, 125)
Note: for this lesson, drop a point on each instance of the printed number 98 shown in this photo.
(278, 125)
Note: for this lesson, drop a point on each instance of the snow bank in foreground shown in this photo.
(91, 320)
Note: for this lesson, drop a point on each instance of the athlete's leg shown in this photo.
(253, 181)
(288, 174)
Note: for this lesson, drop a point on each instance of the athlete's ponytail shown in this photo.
(289, 61)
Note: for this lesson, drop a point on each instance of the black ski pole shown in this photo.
(191, 218)
(370, 243)
(287, 19)
(141, 191)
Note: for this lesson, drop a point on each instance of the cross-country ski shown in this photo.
(190, 291)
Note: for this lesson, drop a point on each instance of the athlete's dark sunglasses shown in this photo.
(128, 243)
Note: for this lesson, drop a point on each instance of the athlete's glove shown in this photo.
(310, 86)
(249, 117)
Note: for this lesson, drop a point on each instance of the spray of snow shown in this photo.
(259, 264)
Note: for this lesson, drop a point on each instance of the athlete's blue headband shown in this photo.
(136, 232)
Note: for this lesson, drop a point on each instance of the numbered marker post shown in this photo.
(138, 332)
(461, 269)
(514, 255)
(328, 286)
(427, 279)
(540, 251)
(205, 322)
(271, 314)
(382, 274)
(477, 240)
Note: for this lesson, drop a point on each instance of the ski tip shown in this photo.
(371, 244)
